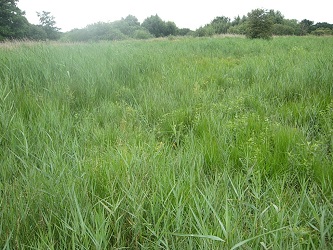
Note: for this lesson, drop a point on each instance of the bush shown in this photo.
(142, 34)
(322, 32)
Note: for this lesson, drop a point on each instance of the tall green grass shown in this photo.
(167, 144)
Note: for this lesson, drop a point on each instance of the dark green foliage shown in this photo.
(37, 32)
(239, 29)
(276, 16)
(221, 24)
(238, 20)
(238, 26)
(323, 25)
(127, 25)
(259, 24)
(321, 29)
(305, 26)
(159, 28)
(282, 29)
(294, 25)
(170, 29)
(272, 23)
(13, 24)
(155, 25)
(184, 31)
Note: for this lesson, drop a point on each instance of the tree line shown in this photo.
(258, 23)
(14, 25)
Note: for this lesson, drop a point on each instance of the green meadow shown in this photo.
(191, 143)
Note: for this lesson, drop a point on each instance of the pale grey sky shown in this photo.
(70, 14)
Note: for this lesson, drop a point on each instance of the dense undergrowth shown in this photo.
(213, 143)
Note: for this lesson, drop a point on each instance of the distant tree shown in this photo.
(184, 31)
(13, 24)
(238, 26)
(47, 21)
(282, 30)
(170, 29)
(221, 24)
(305, 26)
(103, 31)
(115, 35)
(276, 17)
(295, 25)
(236, 21)
(239, 29)
(131, 21)
(93, 32)
(127, 25)
(77, 35)
(36, 32)
(323, 25)
(259, 24)
(155, 25)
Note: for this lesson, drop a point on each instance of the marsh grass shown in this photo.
(214, 143)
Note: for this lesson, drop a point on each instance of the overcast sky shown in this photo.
(70, 14)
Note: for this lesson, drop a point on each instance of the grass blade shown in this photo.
(209, 237)
(256, 237)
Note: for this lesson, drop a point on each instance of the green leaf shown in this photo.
(209, 237)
